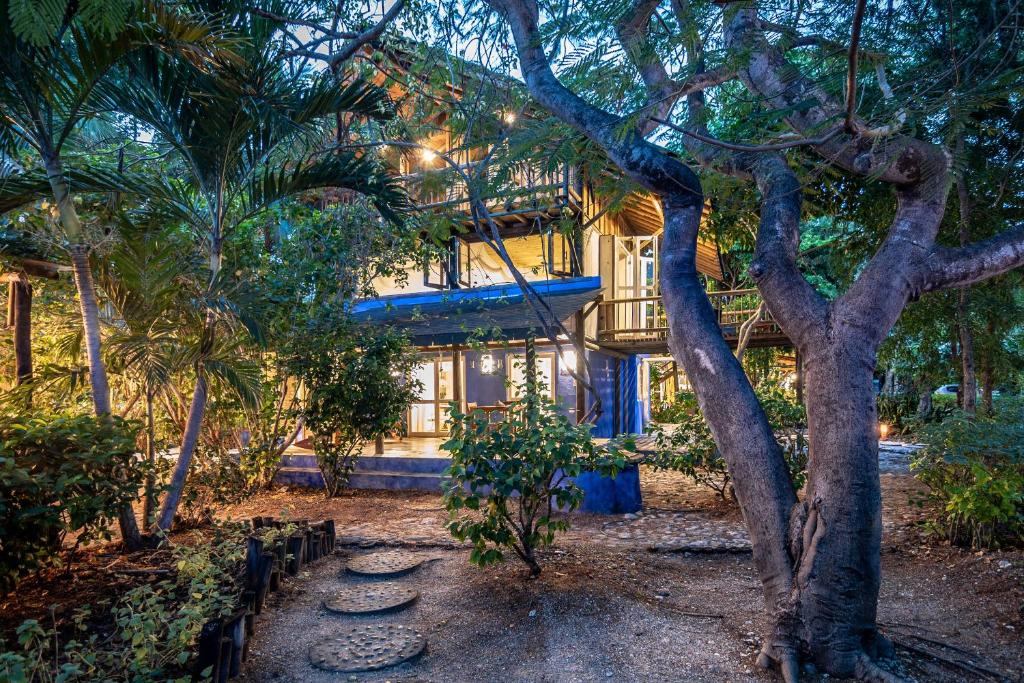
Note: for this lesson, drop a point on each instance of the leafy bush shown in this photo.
(512, 476)
(216, 478)
(899, 411)
(974, 469)
(155, 626)
(684, 442)
(359, 388)
(60, 475)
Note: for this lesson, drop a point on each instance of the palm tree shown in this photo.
(142, 278)
(47, 89)
(246, 135)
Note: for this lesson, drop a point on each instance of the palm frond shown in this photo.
(345, 170)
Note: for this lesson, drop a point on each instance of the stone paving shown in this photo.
(670, 531)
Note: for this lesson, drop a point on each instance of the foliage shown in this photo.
(975, 471)
(216, 478)
(60, 475)
(683, 439)
(155, 625)
(899, 411)
(507, 479)
(359, 386)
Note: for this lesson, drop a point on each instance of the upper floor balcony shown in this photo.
(521, 189)
(639, 323)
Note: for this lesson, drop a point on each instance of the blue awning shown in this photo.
(494, 313)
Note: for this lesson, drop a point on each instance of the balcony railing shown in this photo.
(641, 320)
(520, 187)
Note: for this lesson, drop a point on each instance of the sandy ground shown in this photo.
(609, 608)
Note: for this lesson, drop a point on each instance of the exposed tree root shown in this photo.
(869, 672)
(787, 660)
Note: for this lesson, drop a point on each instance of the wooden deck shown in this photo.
(639, 324)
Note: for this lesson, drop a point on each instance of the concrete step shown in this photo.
(385, 463)
(375, 463)
(396, 481)
(309, 477)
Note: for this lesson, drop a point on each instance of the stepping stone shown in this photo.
(388, 563)
(371, 598)
(367, 648)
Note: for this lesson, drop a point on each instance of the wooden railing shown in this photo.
(642, 319)
(504, 188)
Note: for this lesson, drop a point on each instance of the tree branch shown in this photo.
(368, 36)
(957, 267)
(851, 71)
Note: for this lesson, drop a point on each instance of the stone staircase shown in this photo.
(372, 472)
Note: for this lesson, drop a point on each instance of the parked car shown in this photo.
(947, 390)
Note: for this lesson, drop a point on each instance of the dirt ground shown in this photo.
(625, 607)
(666, 595)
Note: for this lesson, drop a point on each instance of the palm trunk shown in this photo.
(194, 422)
(188, 447)
(147, 504)
(91, 325)
(79, 252)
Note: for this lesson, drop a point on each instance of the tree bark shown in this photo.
(837, 550)
(21, 293)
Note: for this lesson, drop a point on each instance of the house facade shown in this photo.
(597, 273)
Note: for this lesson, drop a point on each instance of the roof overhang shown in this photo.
(480, 314)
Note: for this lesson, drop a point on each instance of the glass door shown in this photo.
(428, 411)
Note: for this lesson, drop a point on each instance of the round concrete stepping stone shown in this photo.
(371, 598)
(367, 648)
(388, 563)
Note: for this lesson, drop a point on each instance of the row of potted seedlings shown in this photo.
(224, 642)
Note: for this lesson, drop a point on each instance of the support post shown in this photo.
(457, 378)
(579, 334)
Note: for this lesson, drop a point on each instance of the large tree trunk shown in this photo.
(734, 415)
(837, 547)
(21, 293)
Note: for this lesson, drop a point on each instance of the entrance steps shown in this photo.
(371, 472)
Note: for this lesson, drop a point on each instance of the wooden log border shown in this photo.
(224, 642)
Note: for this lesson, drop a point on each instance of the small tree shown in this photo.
(514, 475)
(684, 442)
(359, 387)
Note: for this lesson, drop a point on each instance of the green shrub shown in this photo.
(60, 475)
(899, 411)
(359, 388)
(215, 478)
(684, 442)
(154, 626)
(507, 479)
(974, 469)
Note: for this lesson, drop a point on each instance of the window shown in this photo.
(517, 374)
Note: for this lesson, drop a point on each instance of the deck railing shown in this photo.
(642, 319)
(523, 185)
